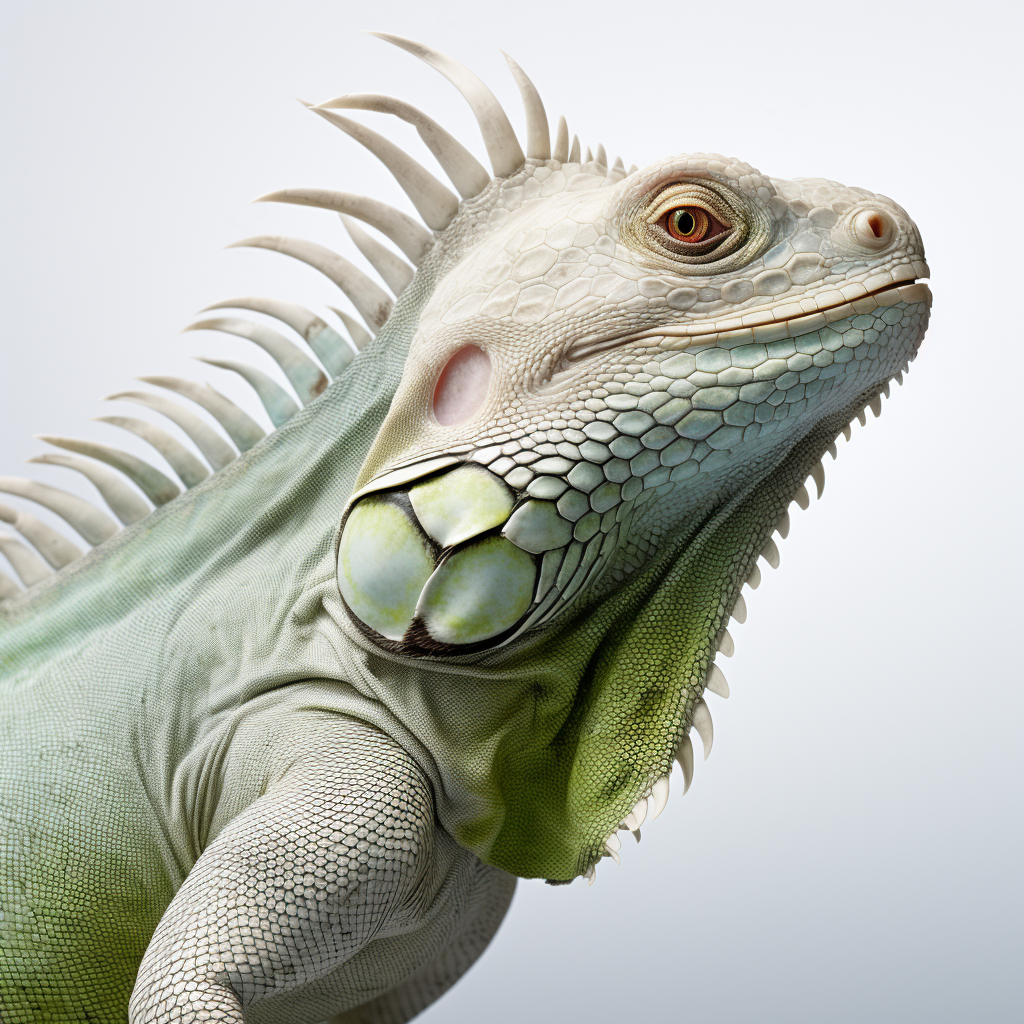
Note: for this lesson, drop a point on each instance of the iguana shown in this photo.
(277, 749)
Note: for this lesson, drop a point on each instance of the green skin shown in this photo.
(125, 678)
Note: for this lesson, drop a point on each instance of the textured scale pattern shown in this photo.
(275, 746)
(350, 864)
(598, 426)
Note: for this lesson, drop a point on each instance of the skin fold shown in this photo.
(277, 749)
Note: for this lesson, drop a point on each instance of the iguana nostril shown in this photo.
(873, 229)
(462, 386)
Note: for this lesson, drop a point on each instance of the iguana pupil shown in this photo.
(690, 224)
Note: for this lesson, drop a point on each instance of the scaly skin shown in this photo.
(236, 787)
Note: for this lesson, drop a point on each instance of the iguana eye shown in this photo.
(688, 224)
(692, 224)
(695, 222)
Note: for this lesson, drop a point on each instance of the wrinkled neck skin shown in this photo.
(537, 748)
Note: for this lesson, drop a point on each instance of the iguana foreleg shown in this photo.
(332, 888)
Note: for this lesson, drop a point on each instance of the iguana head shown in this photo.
(610, 358)
(615, 387)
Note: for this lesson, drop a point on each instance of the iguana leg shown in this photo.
(342, 849)
(489, 894)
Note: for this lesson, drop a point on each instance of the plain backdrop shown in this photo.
(852, 850)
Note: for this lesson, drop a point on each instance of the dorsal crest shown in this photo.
(312, 352)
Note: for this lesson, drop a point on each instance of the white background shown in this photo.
(852, 849)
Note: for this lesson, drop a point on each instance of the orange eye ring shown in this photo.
(688, 224)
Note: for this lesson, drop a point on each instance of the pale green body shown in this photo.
(129, 742)
(115, 722)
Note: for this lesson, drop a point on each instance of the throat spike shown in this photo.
(701, 721)
(717, 683)
(684, 756)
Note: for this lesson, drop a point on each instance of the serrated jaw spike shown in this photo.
(684, 756)
(659, 797)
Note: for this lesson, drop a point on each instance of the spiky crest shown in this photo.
(308, 377)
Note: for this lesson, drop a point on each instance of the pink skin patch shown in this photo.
(462, 386)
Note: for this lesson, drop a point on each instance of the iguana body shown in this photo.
(276, 751)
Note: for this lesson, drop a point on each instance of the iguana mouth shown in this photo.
(788, 320)
(796, 320)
